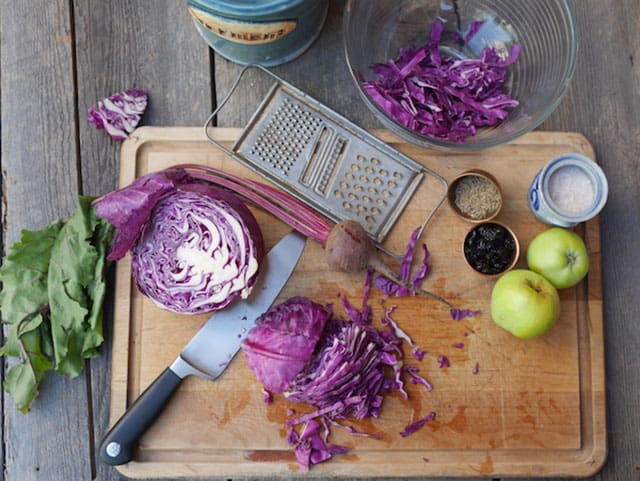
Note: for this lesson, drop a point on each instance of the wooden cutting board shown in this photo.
(535, 408)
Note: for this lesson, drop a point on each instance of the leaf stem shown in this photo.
(27, 360)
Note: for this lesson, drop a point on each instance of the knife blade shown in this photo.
(208, 353)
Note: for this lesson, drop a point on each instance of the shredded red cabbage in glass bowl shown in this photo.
(460, 75)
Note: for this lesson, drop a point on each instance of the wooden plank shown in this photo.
(40, 180)
(551, 405)
(123, 44)
(603, 103)
(321, 72)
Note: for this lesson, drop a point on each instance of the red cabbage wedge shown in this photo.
(195, 247)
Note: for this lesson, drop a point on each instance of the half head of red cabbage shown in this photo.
(200, 249)
(195, 247)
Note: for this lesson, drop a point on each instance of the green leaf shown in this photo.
(76, 288)
(21, 383)
(22, 379)
(11, 346)
(53, 290)
(23, 299)
(46, 342)
(97, 289)
(24, 274)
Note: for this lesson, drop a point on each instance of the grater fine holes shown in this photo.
(338, 193)
(370, 219)
(368, 169)
(375, 161)
(349, 176)
(386, 193)
(377, 181)
(372, 190)
(366, 198)
(358, 187)
(392, 184)
(383, 172)
(355, 167)
(364, 178)
(352, 196)
(375, 210)
(360, 158)
(347, 205)
(343, 185)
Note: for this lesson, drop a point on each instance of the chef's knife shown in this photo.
(209, 351)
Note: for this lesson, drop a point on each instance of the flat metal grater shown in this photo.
(326, 161)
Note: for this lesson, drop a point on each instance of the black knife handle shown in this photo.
(119, 443)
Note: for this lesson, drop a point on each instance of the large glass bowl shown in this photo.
(376, 30)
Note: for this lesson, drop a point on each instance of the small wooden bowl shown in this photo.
(509, 232)
(451, 195)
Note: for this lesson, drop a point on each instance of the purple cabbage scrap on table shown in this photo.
(119, 113)
(416, 426)
(391, 288)
(443, 97)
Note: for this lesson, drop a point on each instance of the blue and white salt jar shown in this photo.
(264, 32)
(568, 190)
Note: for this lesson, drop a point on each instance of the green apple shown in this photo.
(559, 255)
(524, 303)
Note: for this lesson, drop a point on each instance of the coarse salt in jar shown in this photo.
(264, 32)
(570, 189)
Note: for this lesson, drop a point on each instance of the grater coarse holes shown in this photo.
(326, 161)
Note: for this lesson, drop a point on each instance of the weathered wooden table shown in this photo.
(60, 56)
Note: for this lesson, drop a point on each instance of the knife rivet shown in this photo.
(113, 449)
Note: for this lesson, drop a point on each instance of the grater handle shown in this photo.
(427, 219)
(226, 98)
(219, 107)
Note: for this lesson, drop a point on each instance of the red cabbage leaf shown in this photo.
(129, 208)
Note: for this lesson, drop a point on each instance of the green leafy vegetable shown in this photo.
(53, 288)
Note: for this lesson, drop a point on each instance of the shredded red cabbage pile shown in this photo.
(340, 367)
(119, 114)
(443, 97)
(337, 366)
(345, 377)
